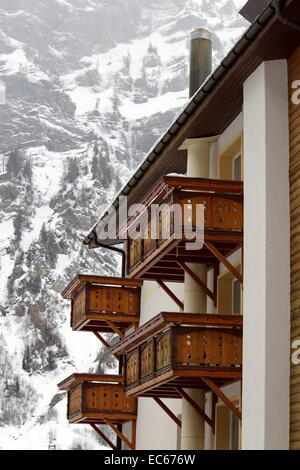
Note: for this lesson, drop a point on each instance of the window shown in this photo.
(236, 296)
(229, 293)
(178, 446)
(234, 434)
(237, 167)
(228, 428)
(231, 161)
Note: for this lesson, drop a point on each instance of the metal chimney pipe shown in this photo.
(200, 58)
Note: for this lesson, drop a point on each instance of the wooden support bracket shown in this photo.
(224, 261)
(199, 281)
(105, 343)
(170, 293)
(103, 436)
(196, 407)
(115, 328)
(101, 339)
(129, 444)
(168, 411)
(214, 388)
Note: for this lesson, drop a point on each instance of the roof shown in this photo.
(215, 105)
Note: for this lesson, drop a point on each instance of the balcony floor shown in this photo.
(164, 384)
(99, 418)
(98, 322)
(162, 263)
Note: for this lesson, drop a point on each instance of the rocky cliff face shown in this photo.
(90, 86)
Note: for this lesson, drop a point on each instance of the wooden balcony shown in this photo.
(98, 399)
(161, 257)
(103, 304)
(175, 351)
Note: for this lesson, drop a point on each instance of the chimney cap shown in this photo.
(201, 33)
(253, 8)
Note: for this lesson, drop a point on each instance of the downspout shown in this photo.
(116, 250)
(279, 5)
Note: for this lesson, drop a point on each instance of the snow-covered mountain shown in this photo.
(90, 85)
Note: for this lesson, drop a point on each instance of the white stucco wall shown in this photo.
(266, 259)
(155, 430)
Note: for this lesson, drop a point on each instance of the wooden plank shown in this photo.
(294, 172)
(154, 257)
(170, 294)
(205, 184)
(120, 434)
(223, 397)
(115, 329)
(80, 279)
(224, 261)
(138, 390)
(98, 323)
(196, 407)
(75, 379)
(168, 411)
(101, 339)
(103, 436)
(165, 277)
(213, 372)
(133, 433)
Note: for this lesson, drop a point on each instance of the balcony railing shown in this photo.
(180, 350)
(94, 399)
(223, 222)
(98, 302)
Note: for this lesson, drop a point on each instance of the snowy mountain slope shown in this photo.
(91, 85)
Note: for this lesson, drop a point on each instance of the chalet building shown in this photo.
(209, 338)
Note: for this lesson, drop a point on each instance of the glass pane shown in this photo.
(237, 168)
(236, 297)
(234, 432)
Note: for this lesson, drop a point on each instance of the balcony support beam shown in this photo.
(196, 407)
(116, 330)
(201, 284)
(168, 411)
(222, 397)
(104, 342)
(103, 436)
(119, 434)
(170, 293)
(224, 261)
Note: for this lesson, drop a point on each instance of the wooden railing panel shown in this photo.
(74, 401)
(163, 351)
(110, 397)
(222, 211)
(109, 299)
(208, 346)
(219, 212)
(78, 306)
(132, 367)
(135, 251)
(149, 242)
(227, 213)
(147, 359)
